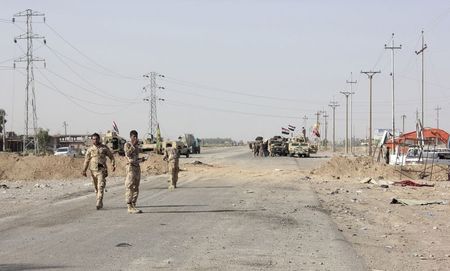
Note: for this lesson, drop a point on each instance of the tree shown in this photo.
(2, 118)
(43, 139)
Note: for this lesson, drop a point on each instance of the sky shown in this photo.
(234, 69)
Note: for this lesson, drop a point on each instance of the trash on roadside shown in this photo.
(305, 178)
(123, 245)
(366, 180)
(417, 202)
(411, 183)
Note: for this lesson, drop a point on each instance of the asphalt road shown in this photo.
(244, 214)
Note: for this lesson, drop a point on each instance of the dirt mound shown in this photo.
(341, 167)
(16, 167)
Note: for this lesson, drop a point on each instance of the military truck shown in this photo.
(152, 144)
(114, 142)
(300, 149)
(278, 146)
(313, 148)
(182, 148)
(191, 142)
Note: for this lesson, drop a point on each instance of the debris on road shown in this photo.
(411, 183)
(123, 245)
(417, 202)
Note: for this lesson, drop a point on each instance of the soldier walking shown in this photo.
(133, 172)
(171, 155)
(95, 160)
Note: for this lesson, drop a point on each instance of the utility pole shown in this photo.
(333, 104)
(65, 127)
(351, 82)
(393, 48)
(305, 119)
(325, 116)
(152, 100)
(370, 74)
(422, 52)
(3, 115)
(346, 93)
(403, 120)
(29, 59)
(437, 115)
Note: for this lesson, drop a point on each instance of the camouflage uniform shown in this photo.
(172, 156)
(133, 177)
(95, 161)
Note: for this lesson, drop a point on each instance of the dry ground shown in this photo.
(387, 236)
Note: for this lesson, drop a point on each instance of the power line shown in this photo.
(202, 107)
(89, 58)
(102, 93)
(240, 93)
(230, 101)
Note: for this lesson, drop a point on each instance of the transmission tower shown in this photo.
(152, 100)
(29, 59)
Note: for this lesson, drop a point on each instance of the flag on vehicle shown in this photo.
(115, 128)
(292, 128)
(315, 130)
(284, 131)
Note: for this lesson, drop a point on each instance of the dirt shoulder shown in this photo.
(388, 236)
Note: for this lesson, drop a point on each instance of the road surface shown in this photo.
(234, 212)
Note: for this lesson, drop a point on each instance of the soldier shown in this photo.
(95, 160)
(171, 155)
(133, 172)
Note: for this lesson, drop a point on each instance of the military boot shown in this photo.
(99, 204)
(132, 209)
(134, 206)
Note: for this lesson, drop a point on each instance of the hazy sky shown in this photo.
(233, 68)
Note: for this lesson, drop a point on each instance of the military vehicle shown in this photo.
(151, 144)
(182, 148)
(313, 148)
(191, 142)
(299, 146)
(114, 142)
(278, 146)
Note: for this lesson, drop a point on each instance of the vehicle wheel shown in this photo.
(291, 155)
(187, 155)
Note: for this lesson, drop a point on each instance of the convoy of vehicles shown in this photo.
(280, 146)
